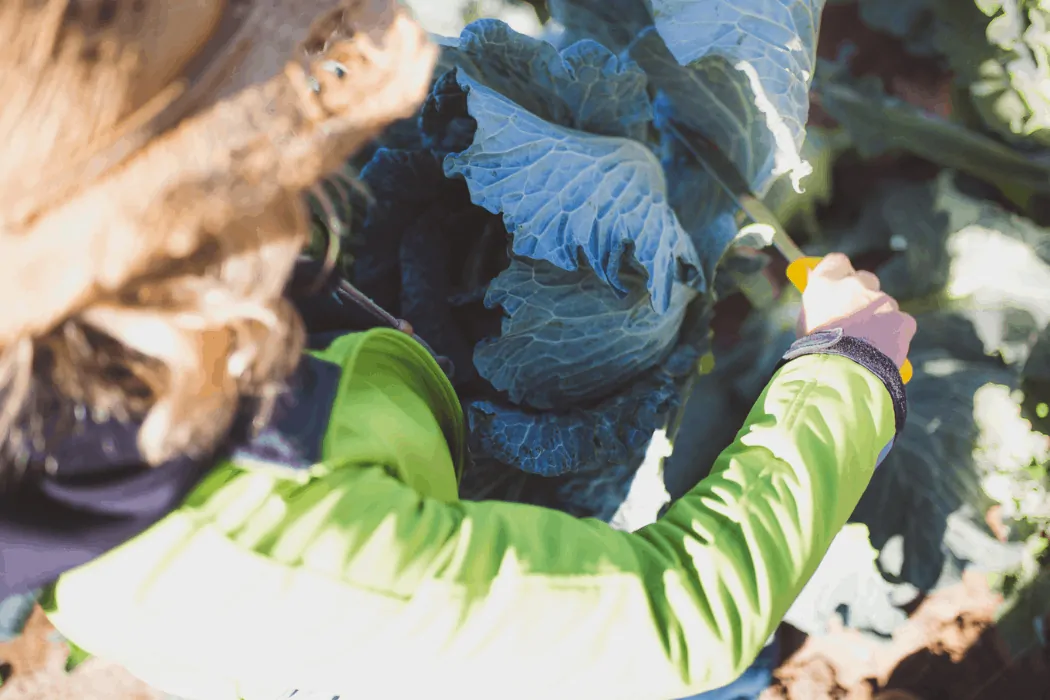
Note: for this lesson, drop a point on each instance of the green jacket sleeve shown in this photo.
(356, 584)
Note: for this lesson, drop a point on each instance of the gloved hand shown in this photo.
(837, 296)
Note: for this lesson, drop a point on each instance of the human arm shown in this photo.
(353, 582)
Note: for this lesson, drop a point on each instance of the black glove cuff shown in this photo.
(835, 342)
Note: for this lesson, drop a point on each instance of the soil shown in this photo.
(948, 650)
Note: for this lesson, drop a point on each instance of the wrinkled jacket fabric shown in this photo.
(330, 551)
(364, 574)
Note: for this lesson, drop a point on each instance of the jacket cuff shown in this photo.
(836, 342)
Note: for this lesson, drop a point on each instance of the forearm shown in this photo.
(750, 535)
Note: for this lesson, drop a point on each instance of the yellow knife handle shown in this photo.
(798, 274)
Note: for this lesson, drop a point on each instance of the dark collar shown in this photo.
(101, 494)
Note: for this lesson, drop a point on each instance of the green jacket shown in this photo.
(367, 577)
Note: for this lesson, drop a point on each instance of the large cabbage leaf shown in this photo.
(739, 75)
(566, 333)
(585, 86)
(770, 46)
(703, 208)
(564, 192)
(584, 459)
(609, 435)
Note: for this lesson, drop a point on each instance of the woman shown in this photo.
(227, 513)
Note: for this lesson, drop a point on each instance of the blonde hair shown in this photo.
(154, 156)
